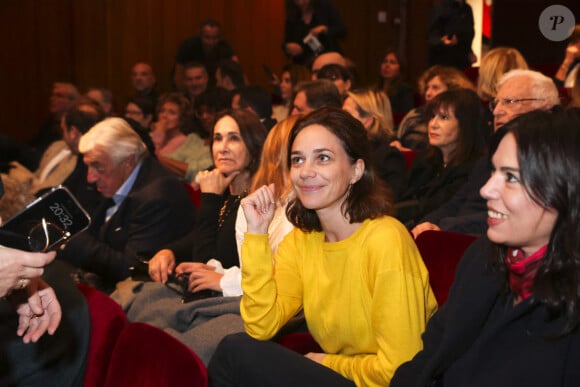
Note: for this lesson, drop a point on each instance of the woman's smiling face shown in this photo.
(514, 219)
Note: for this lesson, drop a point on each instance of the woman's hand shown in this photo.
(397, 144)
(319, 30)
(293, 49)
(317, 357)
(259, 209)
(161, 265)
(40, 313)
(17, 267)
(215, 182)
(201, 276)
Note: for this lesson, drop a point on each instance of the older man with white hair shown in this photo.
(147, 206)
(518, 92)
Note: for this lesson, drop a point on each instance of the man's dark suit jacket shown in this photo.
(478, 338)
(156, 211)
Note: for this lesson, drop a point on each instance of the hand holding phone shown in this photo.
(46, 223)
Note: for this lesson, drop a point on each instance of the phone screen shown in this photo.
(46, 223)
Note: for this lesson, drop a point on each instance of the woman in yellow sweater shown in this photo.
(354, 270)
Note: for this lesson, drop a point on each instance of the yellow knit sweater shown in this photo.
(366, 299)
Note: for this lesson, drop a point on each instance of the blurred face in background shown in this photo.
(170, 116)
(286, 86)
(390, 67)
(210, 36)
(434, 87)
(142, 77)
(195, 79)
(133, 112)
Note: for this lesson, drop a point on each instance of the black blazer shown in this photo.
(468, 343)
(156, 211)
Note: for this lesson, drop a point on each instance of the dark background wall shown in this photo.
(94, 43)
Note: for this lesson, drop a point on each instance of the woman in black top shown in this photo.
(455, 143)
(236, 145)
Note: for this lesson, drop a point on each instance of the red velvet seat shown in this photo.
(409, 157)
(441, 251)
(194, 194)
(107, 322)
(147, 356)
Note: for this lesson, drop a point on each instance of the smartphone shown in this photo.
(46, 223)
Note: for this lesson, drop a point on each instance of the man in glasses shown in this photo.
(518, 92)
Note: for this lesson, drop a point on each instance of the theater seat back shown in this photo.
(441, 251)
(146, 356)
(107, 322)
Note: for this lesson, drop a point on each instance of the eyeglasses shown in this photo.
(509, 101)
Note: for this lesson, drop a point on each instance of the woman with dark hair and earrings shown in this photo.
(236, 145)
(352, 269)
(513, 314)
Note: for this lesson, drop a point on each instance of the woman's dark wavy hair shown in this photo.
(467, 108)
(549, 162)
(368, 198)
(252, 131)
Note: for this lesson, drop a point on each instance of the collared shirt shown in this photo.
(122, 192)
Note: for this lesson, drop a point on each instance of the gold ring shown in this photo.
(22, 283)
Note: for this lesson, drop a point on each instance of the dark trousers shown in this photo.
(243, 361)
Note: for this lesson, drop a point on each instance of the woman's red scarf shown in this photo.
(522, 270)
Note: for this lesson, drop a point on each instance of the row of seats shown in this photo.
(123, 353)
(135, 354)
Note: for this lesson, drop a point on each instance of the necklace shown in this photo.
(227, 207)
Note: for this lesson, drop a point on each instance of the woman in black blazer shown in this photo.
(513, 313)
(455, 143)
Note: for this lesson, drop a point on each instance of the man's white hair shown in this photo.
(117, 138)
(542, 87)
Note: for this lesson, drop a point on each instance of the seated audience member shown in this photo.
(391, 82)
(168, 131)
(339, 75)
(43, 344)
(195, 80)
(229, 75)
(194, 154)
(516, 290)
(455, 144)
(292, 74)
(207, 48)
(316, 21)
(272, 170)
(143, 81)
(104, 98)
(566, 74)
(258, 101)
(412, 133)
(518, 92)
(210, 248)
(147, 207)
(328, 266)
(59, 160)
(324, 59)
(373, 110)
(141, 110)
(494, 64)
(63, 97)
(313, 95)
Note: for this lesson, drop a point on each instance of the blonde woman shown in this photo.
(373, 109)
(272, 170)
(494, 64)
